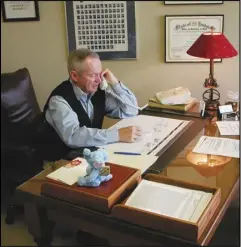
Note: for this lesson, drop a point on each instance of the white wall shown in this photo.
(41, 47)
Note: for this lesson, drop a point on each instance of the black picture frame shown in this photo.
(167, 38)
(7, 18)
(130, 53)
(191, 2)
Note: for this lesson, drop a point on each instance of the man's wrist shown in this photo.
(119, 87)
(115, 82)
(112, 135)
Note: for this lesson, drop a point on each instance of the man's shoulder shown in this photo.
(57, 101)
(64, 89)
(63, 85)
(58, 94)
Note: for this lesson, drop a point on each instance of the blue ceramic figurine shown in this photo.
(95, 171)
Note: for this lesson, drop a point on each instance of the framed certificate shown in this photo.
(181, 31)
(192, 2)
(20, 11)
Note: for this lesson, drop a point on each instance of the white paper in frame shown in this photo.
(181, 31)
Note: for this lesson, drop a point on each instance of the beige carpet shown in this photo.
(17, 234)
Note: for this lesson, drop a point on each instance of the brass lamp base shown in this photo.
(211, 105)
(211, 96)
(210, 162)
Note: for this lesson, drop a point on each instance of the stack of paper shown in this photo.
(153, 102)
(169, 200)
(174, 96)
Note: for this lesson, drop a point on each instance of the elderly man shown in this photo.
(75, 109)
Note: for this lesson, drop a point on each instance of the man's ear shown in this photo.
(73, 75)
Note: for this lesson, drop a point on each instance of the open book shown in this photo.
(169, 200)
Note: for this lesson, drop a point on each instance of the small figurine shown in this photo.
(96, 171)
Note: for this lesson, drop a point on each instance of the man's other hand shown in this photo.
(130, 134)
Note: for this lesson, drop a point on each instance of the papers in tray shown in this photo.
(169, 200)
(217, 146)
(69, 173)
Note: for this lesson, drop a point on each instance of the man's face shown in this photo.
(90, 78)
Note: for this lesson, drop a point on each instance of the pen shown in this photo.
(127, 153)
(203, 109)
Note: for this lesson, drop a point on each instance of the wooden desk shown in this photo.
(42, 212)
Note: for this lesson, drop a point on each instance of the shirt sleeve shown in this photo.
(119, 109)
(65, 122)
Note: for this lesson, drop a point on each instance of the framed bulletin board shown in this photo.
(106, 27)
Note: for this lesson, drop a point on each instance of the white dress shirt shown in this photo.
(65, 121)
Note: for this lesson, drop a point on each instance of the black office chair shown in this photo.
(20, 114)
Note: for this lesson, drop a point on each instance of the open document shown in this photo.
(228, 127)
(142, 162)
(217, 146)
(157, 132)
(169, 200)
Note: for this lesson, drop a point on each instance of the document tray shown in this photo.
(170, 225)
(100, 198)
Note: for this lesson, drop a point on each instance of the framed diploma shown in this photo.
(192, 2)
(20, 11)
(181, 31)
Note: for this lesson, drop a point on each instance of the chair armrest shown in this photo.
(22, 156)
(15, 147)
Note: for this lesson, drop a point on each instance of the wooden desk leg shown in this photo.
(38, 224)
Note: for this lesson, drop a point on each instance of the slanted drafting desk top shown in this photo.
(41, 209)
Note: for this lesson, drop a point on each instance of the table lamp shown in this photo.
(208, 164)
(212, 45)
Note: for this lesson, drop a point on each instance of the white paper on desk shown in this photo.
(156, 130)
(70, 175)
(217, 146)
(228, 127)
(142, 162)
(169, 200)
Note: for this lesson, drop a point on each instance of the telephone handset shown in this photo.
(104, 85)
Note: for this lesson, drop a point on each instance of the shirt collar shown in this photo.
(79, 93)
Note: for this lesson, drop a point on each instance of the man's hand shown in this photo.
(130, 134)
(109, 76)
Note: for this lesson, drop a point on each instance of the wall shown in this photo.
(41, 47)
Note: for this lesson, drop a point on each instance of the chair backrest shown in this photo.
(19, 106)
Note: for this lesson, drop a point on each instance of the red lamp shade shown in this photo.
(212, 45)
